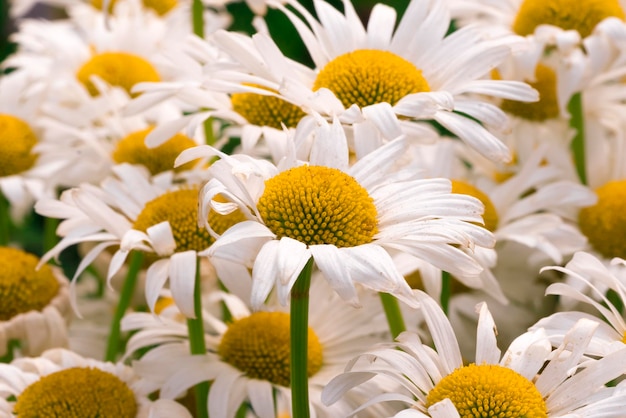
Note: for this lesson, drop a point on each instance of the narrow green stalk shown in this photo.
(577, 122)
(197, 345)
(12, 345)
(209, 135)
(446, 290)
(393, 314)
(299, 329)
(197, 10)
(50, 238)
(128, 289)
(5, 221)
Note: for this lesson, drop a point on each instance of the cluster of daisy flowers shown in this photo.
(336, 209)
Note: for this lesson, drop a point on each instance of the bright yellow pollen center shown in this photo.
(132, 149)
(180, 209)
(77, 393)
(117, 69)
(547, 107)
(23, 288)
(604, 223)
(17, 140)
(490, 216)
(159, 6)
(262, 110)
(259, 345)
(489, 391)
(579, 15)
(368, 76)
(318, 205)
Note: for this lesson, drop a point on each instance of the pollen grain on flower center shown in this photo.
(318, 205)
(259, 346)
(77, 392)
(489, 390)
(119, 69)
(17, 140)
(604, 224)
(369, 76)
(133, 150)
(580, 15)
(180, 208)
(23, 287)
(547, 107)
(265, 110)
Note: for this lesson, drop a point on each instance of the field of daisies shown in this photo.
(313, 208)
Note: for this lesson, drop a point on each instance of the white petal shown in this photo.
(331, 264)
(182, 278)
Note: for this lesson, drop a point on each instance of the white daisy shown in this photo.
(380, 81)
(530, 379)
(137, 212)
(62, 383)
(247, 359)
(35, 309)
(348, 219)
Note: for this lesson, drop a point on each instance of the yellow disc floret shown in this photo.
(77, 393)
(17, 140)
(490, 216)
(263, 110)
(118, 69)
(604, 223)
(132, 149)
(368, 76)
(579, 15)
(159, 6)
(318, 205)
(259, 345)
(489, 391)
(180, 209)
(547, 107)
(23, 287)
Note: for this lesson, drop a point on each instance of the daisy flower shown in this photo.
(380, 81)
(62, 383)
(590, 281)
(247, 358)
(35, 309)
(347, 218)
(137, 212)
(530, 379)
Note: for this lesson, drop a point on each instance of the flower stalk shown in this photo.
(393, 314)
(197, 345)
(577, 122)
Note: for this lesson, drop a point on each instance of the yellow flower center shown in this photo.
(118, 69)
(180, 209)
(369, 76)
(132, 149)
(318, 205)
(259, 345)
(490, 216)
(580, 15)
(23, 288)
(547, 107)
(159, 6)
(77, 393)
(17, 140)
(604, 223)
(264, 110)
(489, 391)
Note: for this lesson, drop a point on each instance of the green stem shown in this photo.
(446, 283)
(12, 345)
(50, 238)
(197, 345)
(299, 329)
(5, 221)
(577, 122)
(197, 10)
(128, 289)
(209, 135)
(393, 314)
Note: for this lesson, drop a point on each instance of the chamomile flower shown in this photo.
(61, 383)
(530, 379)
(589, 280)
(348, 219)
(247, 359)
(147, 214)
(379, 81)
(35, 309)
